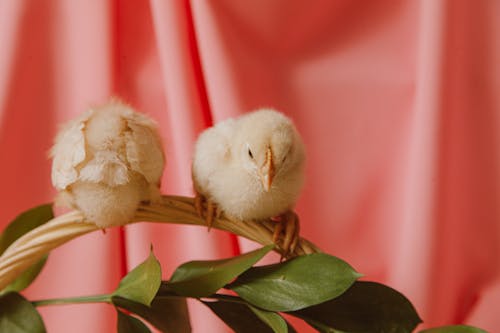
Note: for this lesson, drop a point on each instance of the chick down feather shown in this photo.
(106, 162)
(251, 167)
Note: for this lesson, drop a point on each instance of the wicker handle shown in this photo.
(32, 246)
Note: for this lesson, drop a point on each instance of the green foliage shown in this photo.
(203, 278)
(141, 284)
(138, 293)
(365, 307)
(318, 288)
(169, 315)
(295, 284)
(17, 315)
(245, 318)
(272, 319)
(454, 329)
(26, 277)
(129, 324)
(239, 317)
(22, 224)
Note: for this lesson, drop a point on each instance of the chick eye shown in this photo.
(250, 153)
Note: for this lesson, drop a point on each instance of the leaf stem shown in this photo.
(218, 297)
(226, 298)
(74, 300)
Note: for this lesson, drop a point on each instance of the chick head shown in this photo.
(268, 146)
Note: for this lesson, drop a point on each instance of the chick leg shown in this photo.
(198, 203)
(289, 224)
(211, 212)
(211, 209)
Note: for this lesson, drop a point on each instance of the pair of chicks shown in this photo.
(110, 159)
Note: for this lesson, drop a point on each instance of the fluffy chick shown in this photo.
(106, 162)
(251, 168)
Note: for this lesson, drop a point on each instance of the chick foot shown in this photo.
(288, 225)
(206, 209)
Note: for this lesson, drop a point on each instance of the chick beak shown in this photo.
(267, 171)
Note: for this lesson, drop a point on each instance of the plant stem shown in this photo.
(74, 300)
(226, 298)
(107, 299)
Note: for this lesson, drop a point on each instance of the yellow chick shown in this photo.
(251, 168)
(106, 162)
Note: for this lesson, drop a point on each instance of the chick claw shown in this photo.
(289, 224)
(212, 210)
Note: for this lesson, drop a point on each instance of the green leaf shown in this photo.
(22, 224)
(141, 284)
(454, 329)
(272, 319)
(203, 278)
(244, 318)
(129, 324)
(169, 315)
(26, 277)
(17, 315)
(238, 317)
(295, 284)
(322, 328)
(365, 307)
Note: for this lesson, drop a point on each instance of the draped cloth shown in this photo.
(398, 103)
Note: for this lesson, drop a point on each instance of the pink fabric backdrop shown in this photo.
(398, 103)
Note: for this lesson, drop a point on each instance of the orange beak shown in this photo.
(267, 171)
